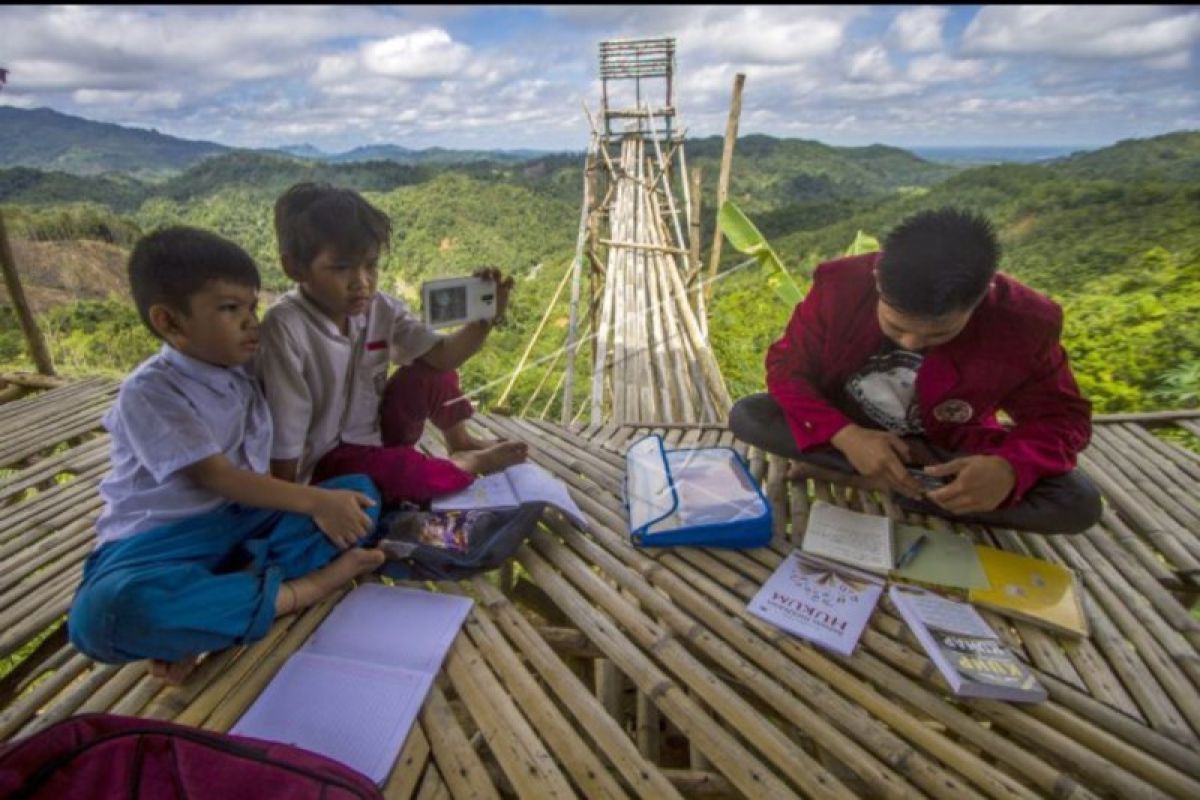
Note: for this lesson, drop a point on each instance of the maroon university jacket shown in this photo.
(1007, 357)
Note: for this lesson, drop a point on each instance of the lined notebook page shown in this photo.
(862, 540)
(354, 690)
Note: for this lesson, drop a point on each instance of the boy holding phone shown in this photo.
(904, 357)
(327, 346)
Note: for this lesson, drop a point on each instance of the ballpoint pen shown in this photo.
(912, 551)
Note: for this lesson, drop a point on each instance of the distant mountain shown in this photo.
(431, 155)
(44, 139)
(299, 151)
(770, 173)
(980, 155)
(1173, 157)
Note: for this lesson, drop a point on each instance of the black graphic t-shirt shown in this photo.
(885, 390)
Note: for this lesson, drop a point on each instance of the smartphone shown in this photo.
(928, 482)
(447, 302)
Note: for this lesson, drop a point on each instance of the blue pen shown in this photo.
(912, 551)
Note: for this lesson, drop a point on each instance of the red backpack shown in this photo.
(104, 755)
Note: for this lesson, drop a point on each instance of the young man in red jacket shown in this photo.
(901, 359)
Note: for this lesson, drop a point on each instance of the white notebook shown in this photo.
(355, 688)
(520, 483)
(861, 540)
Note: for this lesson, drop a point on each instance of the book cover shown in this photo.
(825, 603)
(1032, 590)
(861, 540)
(964, 648)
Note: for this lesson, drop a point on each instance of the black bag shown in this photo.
(452, 545)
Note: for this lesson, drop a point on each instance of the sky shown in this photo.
(507, 77)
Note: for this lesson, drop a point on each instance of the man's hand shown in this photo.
(339, 514)
(879, 455)
(503, 289)
(980, 484)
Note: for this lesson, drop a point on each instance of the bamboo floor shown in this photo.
(594, 669)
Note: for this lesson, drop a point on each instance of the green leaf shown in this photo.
(745, 238)
(863, 243)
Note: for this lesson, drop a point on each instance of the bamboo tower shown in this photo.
(651, 358)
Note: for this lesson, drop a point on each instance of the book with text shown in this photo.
(825, 603)
(353, 691)
(516, 485)
(964, 648)
(861, 540)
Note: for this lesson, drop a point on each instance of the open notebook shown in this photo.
(353, 691)
(516, 485)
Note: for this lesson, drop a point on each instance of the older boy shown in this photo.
(905, 357)
(327, 346)
(194, 549)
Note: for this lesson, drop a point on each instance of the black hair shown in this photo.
(312, 216)
(937, 262)
(170, 265)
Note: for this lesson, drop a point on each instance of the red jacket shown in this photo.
(1007, 357)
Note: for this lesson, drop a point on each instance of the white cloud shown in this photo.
(939, 68)
(423, 54)
(918, 30)
(871, 64)
(1082, 31)
(130, 99)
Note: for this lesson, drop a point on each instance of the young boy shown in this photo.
(904, 358)
(327, 346)
(197, 548)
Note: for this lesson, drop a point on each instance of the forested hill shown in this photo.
(45, 139)
(1111, 235)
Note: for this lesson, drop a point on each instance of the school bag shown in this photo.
(701, 497)
(452, 545)
(111, 756)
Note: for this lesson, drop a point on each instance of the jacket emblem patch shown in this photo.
(953, 411)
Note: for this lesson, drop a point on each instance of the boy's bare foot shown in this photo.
(173, 672)
(303, 592)
(459, 439)
(491, 458)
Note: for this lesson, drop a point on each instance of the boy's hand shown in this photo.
(879, 455)
(339, 514)
(503, 288)
(981, 483)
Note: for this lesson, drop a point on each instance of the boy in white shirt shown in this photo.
(326, 349)
(197, 548)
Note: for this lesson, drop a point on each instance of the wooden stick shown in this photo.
(731, 128)
(16, 293)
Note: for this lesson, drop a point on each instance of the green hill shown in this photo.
(1106, 234)
(45, 139)
(1173, 157)
(769, 173)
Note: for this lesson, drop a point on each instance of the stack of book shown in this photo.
(826, 591)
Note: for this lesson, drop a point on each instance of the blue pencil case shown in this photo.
(703, 497)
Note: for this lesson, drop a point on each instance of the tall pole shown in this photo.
(731, 128)
(33, 336)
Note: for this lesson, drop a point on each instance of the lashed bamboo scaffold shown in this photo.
(651, 358)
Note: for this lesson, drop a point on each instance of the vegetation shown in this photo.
(1109, 235)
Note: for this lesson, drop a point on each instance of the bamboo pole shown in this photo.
(576, 271)
(516, 373)
(731, 128)
(16, 293)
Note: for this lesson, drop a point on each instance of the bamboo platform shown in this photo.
(605, 671)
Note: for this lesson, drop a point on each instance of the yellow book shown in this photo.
(1032, 590)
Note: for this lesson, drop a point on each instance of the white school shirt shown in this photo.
(172, 411)
(324, 387)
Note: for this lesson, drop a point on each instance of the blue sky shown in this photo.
(518, 76)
